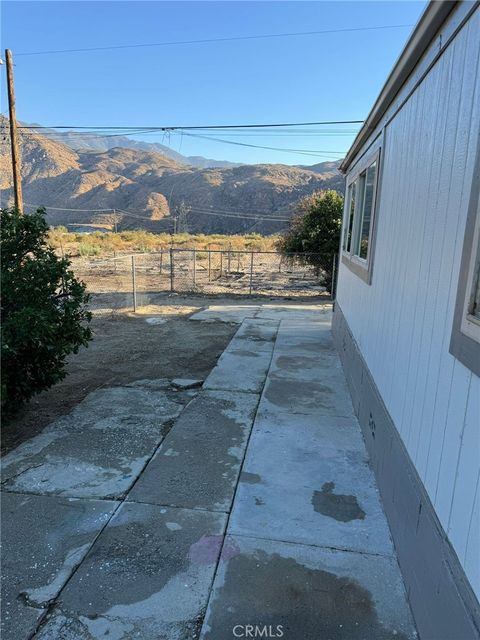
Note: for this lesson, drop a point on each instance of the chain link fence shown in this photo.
(133, 281)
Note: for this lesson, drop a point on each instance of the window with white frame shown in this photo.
(359, 218)
(465, 338)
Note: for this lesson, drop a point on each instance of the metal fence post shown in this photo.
(194, 267)
(209, 264)
(171, 269)
(161, 260)
(221, 263)
(134, 285)
(251, 272)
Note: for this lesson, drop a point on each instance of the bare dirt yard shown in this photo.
(128, 347)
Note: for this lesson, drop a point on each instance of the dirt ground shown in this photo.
(125, 348)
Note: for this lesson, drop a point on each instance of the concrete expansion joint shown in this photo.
(54, 496)
(176, 506)
(242, 391)
(260, 395)
(357, 552)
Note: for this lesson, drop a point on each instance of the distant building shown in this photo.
(407, 314)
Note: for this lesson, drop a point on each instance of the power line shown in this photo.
(211, 40)
(308, 152)
(286, 133)
(237, 215)
(140, 129)
(305, 152)
(29, 204)
(240, 216)
(255, 213)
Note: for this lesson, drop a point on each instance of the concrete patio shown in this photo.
(165, 510)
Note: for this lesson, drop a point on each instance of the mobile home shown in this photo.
(407, 312)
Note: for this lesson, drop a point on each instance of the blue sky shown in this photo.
(333, 76)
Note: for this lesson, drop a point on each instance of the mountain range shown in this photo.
(149, 185)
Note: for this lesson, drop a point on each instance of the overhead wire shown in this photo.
(232, 214)
(212, 40)
(305, 152)
(309, 152)
(188, 127)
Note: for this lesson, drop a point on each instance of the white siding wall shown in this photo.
(402, 322)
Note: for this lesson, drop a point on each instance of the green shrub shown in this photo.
(316, 229)
(87, 249)
(44, 317)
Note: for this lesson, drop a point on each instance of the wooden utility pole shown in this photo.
(16, 162)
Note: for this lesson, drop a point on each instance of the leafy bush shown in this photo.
(316, 228)
(87, 249)
(44, 317)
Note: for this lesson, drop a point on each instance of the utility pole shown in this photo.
(16, 163)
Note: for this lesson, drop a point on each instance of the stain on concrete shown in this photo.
(340, 506)
(44, 539)
(207, 549)
(262, 589)
(98, 449)
(300, 363)
(292, 392)
(259, 502)
(137, 555)
(209, 439)
(250, 478)
(245, 353)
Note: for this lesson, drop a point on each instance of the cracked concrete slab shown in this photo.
(322, 497)
(186, 383)
(316, 312)
(225, 313)
(308, 545)
(257, 330)
(307, 450)
(326, 395)
(297, 591)
(244, 364)
(43, 539)
(198, 463)
(147, 576)
(316, 432)
(99, 449)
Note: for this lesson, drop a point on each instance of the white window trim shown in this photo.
(362, 267)
(470, 324)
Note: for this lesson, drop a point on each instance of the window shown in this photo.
(465, 339)
(359, 217)
(349, 223)
(368, 177)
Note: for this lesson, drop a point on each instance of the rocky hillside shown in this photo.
(151, 186)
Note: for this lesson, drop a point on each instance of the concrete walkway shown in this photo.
(157, 511)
